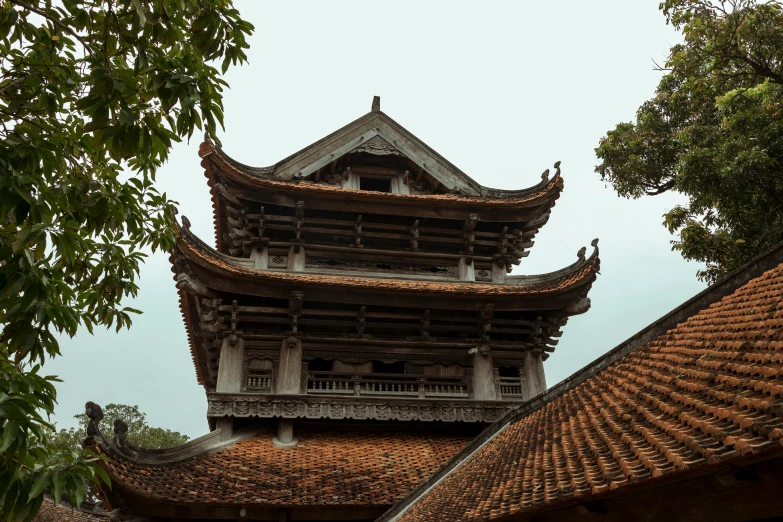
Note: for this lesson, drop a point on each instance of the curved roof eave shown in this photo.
(542, 195)
(372, 121)
(525, 197)
(556, 282)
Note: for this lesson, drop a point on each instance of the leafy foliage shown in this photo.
(140, 433)
(713, 131)
(92, 96)
(27, 467)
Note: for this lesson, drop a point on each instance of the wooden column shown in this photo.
(229, 378)
(289, 371)
(466, 271)
(483, 375)
(285, 434)
(350, 180)
(226, 427)
(535, 380)
(498, 273)
(296, 260)
(260, 257)
(400, 186)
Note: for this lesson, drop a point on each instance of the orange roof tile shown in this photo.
(208, 151)
(366, 466)
(582, 272)
(543, 195)
(709, 390)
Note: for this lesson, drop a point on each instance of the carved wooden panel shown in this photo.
(248, 405)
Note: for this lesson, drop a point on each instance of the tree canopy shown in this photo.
(140, 433)
(93, 94)
(713, 131)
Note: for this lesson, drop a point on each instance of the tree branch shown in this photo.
(55, 21)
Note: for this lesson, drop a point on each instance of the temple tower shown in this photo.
(365, 277)
(354, 325)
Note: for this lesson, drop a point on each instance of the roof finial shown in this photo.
(95, 414)
(376, 104)
(120, 433)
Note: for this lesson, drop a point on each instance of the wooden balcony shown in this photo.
(259, 381)
(387, 384)
(510, 387)
(352, 384)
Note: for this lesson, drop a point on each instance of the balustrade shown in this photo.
(259, 381)
(510, 387)
(369, 384)
(382, 384)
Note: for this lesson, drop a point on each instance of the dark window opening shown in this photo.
(376, 184)
(382, 367)
(414, 369)
(507, 371)
(319, 365)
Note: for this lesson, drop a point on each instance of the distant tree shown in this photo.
(713, 132)
(68, 441)
(140, 433)
(93, 93)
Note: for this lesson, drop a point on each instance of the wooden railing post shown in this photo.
(275, 365)
(305, 376)
(421, 382)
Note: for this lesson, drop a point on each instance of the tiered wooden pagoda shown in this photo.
(356, 288)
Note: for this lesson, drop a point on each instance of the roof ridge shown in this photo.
(544, 188)
(118, 446)
(268, 172)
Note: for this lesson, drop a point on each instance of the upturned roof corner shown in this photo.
(370, 133)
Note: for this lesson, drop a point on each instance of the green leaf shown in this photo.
(39, 484)
(58, 485)
(78, 122)
(10, 433)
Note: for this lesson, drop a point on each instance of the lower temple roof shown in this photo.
(705, 393)
(330, 466)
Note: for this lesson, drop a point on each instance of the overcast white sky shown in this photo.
(501, 89)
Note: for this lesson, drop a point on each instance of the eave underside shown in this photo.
(359, 319)
(236, 194)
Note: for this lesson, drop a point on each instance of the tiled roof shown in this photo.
(541, 196)
(709, 390)
(581, 272)
(363, 466)
(538, 194)
(51, 512)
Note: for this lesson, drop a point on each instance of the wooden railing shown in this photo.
(385, 384)
(259, 380)
(510, 387)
